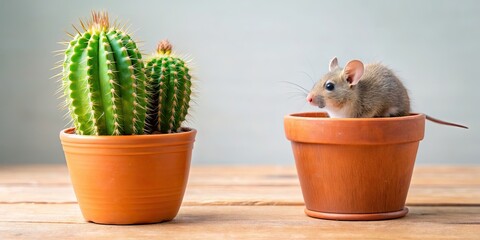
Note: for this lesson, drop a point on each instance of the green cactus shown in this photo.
(104, 80)
(169, 83)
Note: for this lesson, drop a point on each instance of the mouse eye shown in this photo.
(329, 86)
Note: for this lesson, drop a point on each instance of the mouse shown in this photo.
(363, 91)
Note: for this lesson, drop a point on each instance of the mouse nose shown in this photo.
(310, 98)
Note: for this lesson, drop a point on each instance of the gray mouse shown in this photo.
(362, 91)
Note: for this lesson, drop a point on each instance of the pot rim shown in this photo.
(323, 116)
(71, 134)
(317, 127)
(67, 136)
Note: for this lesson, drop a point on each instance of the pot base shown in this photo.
(357, 216)
(122, 223)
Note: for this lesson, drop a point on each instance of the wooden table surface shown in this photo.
(244, 202)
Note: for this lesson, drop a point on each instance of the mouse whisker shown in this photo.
(309, 76)
(297, 86)
(295, 96)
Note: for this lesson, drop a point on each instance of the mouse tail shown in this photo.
(444, 122)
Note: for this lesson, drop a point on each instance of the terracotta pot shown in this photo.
(128, 179)
(356, 168)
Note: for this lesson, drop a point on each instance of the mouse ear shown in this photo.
(333, 64)
(354, 71)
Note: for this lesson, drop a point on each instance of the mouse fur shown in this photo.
(360, 91)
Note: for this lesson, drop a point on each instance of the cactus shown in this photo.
(169, 83)
(104, 80)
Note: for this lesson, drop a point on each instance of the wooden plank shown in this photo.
(450, 175)
(34, 174)
(242, 203)
(57, 221)
(243, 195)
(243, 175)
(247, 185)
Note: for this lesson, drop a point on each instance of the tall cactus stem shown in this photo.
(104, 81)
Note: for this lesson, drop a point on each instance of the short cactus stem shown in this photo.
(104, 81)
(169, 83)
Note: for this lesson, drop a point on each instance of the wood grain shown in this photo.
(56, 221)
(240, 202)
(243, 185)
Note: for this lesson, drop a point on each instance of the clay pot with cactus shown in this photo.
(128, 155)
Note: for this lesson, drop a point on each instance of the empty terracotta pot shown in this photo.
(354, 168)
(128, 179)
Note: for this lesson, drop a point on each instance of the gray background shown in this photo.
(243, 51)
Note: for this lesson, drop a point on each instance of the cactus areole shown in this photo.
(169, 82)
(104, 80)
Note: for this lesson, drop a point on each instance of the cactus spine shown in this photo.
(169, 84)
(104, 80)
